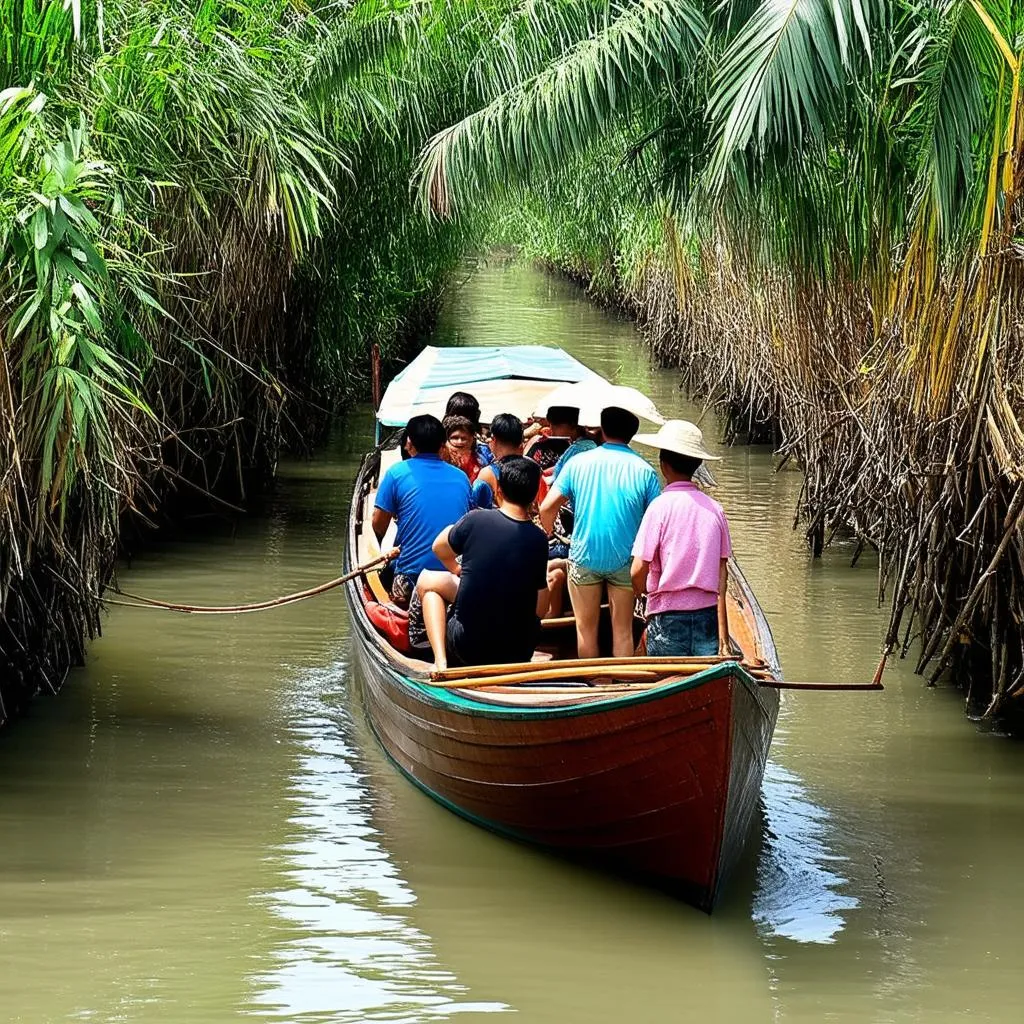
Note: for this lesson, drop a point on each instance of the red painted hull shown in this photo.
(665, 788)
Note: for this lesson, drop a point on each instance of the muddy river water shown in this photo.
(202, 829)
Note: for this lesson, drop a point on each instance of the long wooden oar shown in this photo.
(515, 673)
(632, 679)
(639, 669)
(474, 671)
(237, 609)
(633, 687)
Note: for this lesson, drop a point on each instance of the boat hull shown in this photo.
(662, 785)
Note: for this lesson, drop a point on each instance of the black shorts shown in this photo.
(461, 654)
(455, 644)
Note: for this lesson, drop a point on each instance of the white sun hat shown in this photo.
(681, 437)
(592, 396)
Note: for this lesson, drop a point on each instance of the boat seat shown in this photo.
(380, 592)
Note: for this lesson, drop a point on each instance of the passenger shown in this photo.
(580, 442)
(610, 489)
(462, 403)
(563, 431)
(500, 590)
(460, 446)
(424, 495)
(681, 554)
(506, 439)
(569, 421)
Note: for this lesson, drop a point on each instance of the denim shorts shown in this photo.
(580, 576)
(683, 634)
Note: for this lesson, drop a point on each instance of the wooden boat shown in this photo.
(657, 776)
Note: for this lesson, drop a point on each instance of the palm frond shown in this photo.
(952, 77)
(780, 78)
(532, 128)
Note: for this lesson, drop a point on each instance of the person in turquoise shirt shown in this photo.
(610, 489)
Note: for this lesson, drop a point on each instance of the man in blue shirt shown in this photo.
(425, 495)
(610, 489)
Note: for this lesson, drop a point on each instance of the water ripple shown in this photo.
(801, 894)
(348, 953)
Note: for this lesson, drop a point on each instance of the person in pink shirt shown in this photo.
(681, 553)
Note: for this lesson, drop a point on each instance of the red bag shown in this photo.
(545, 485)
(392, 624)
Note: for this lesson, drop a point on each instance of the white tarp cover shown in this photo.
(513, 378)
(590, 398)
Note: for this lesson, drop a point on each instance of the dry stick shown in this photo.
(277, 602)
(1011, 521)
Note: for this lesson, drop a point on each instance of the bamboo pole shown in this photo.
(237, 609)
(668, 662)
(642, 670)
(515, 678)
(639, 685)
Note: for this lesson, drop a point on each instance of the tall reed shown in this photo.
(815, 211)
(205, 222)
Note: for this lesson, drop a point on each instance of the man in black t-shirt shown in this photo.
(500, 590)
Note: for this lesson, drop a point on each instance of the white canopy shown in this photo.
(591, 397)
(502, 378)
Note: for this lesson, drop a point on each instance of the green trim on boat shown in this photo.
(462, 702)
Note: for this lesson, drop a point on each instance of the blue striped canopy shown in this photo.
(426, 384)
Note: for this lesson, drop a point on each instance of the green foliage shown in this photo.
(205, 221)
(827, 127)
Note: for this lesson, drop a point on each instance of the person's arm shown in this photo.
(540, 578)
(451, 542)
(442, 547)
(486, 475)
(725, 550)
(385, 505)
(638, 573)
(380, 521)
(724, 647)
(552, 506)
(645, 547)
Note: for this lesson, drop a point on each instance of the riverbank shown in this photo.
(936, 497)
(214, 464)
(205, 228)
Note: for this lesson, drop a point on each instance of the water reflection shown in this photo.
(800, 893)
(350, 952)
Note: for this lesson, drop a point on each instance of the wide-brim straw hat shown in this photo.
(591, 397)
(681, 437)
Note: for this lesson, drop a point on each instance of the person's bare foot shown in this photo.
(440, 666)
